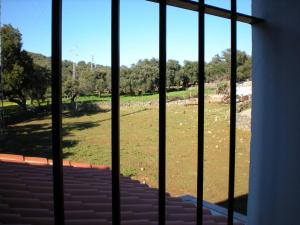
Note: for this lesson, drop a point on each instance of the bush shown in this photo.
(223, 88)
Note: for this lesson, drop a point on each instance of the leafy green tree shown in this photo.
(190, 69)
(71, 88)
(27, 75)
(38, 89)
(17, 67)
(145, 78)
(173, 68)
(126, 81)
(219, 67)
(86, 83)
(244, 71)
(102, 80)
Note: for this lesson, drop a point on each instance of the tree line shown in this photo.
(27, 76)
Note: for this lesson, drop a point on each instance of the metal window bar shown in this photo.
(233, 71)
(212, 10)
(115, 122)
(162, 110)
(201, 93)
(58, 186)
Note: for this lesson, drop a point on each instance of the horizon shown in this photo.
(138, 30)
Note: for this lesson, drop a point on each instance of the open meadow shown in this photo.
(87, 138)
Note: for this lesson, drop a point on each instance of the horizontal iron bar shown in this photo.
(212, 10)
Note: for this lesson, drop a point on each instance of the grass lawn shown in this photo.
(87, 138)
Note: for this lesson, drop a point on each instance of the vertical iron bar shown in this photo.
(201, 103)
(162, 110)
(115, 84)
(58, 187)
(232, 112)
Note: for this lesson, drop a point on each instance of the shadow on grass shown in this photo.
(85, 112)
(240, 204)
(14, 114)
(126, 114)
(35, 139)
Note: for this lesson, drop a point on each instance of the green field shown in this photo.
(87, 138)
(172, 95)
(184, 94)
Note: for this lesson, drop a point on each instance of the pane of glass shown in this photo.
(86, 81)
(86, 84)
(25, 126)
(182, 120)
(225, 4)
(244, 6)
(243, 132)
(216, 139)
(26, 76)
(139, 96)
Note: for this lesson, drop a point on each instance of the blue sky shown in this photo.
(86, 29)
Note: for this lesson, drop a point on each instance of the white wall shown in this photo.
(274, 197)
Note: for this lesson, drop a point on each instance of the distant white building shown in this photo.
(244, 89)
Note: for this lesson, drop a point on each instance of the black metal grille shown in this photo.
(201, 86)
(115, 118)
(58, 186)
(232, 114)
(202, 9)
(162, 110)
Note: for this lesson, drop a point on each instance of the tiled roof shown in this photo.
(26, 196)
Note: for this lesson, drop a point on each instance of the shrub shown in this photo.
(223, 88)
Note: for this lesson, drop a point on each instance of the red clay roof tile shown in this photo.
(26, 196)
(80, 165)
(36, 160)
(11, 158)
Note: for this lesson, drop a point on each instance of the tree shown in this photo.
(126, 82)
(101, 77)
(17, 67)
(173, 68)
(42, 78)
(219, 67)
(190, 68)
(87, 83)
(70, 88)
(22, 79)
(145, 78)
(244, 71)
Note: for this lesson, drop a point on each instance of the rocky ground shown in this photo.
(244, 119)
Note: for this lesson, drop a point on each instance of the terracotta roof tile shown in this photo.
(26, 196)
(80, 165)
(11, 158)
(36, 160)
